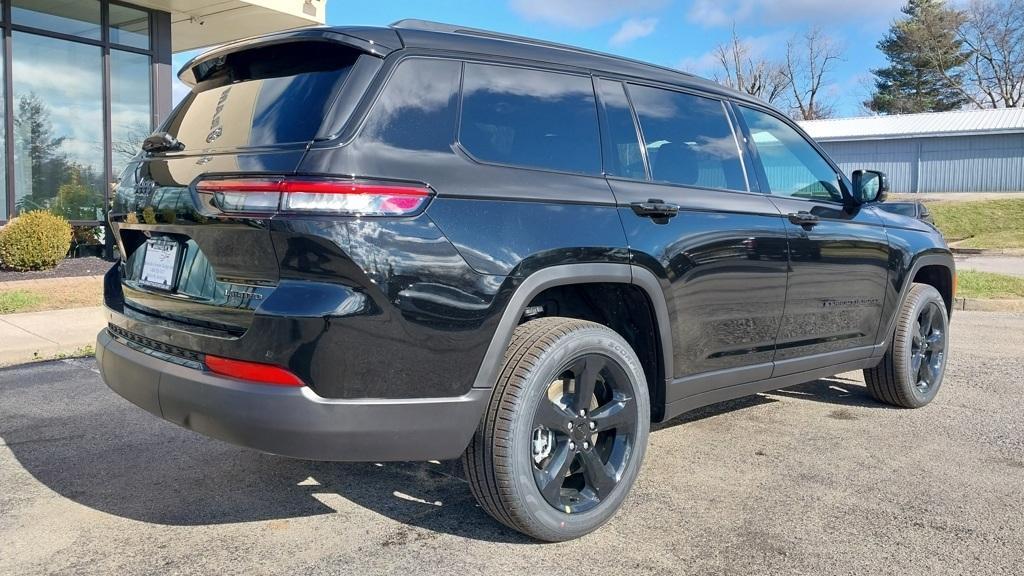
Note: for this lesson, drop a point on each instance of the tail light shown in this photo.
(315, 196)
(252, 371)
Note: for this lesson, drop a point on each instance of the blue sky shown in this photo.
(675, 33)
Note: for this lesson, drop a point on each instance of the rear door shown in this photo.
(839, 254)
(721, 256)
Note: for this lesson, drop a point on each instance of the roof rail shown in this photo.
(430, 26)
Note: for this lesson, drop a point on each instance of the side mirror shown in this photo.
(870, 186)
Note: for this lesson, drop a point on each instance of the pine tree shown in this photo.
(925, 55)
(33, 133)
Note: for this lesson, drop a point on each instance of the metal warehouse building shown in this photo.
(967, 151)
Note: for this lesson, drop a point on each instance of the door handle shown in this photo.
(804, 219)
(659, 210)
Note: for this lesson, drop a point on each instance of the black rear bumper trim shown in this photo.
(287, 421)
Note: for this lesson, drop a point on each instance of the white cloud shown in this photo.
(633, 29)
(178, 90)
(700, 65)
(726, 12)
(581, 13)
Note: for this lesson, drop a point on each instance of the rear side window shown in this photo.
(261, 97)
(688, 138)
(416, 110)
(530, 118)
(623, 156)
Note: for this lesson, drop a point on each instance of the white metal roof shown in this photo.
(931, 124)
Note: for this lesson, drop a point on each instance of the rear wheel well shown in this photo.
(940, 278)
(624, 308)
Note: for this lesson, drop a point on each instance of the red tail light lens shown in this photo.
(252, 371)
(308, 196)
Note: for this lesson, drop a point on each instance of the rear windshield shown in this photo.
(272, 95)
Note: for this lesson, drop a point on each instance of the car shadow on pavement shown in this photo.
(714, 410)
(98, 450)
(835, 390)
(102, 452)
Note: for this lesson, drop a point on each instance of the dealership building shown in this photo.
(963, 151)
(85, 81)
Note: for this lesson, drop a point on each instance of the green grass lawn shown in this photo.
(56, 294)
(991, 224)
(971, 284)
(18, 300)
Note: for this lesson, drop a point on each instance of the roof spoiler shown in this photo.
(375, 41)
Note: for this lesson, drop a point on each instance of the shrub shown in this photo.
(34, 241)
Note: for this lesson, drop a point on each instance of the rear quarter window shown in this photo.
(530, 118)
(416, 109)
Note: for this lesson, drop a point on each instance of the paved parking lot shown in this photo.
(817, 479)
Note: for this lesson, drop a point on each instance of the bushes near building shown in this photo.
(34, 241)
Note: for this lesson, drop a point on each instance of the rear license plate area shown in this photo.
(161, 263)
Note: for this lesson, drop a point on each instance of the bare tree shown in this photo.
(810, 60)
(740, 70)
(129, 144)
(993, 33)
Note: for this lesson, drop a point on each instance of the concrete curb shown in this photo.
(986, 305)
(986, 251)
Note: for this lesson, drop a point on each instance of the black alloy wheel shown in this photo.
(583, 434)
(564, 436)
(912, 369)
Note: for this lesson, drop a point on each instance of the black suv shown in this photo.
(425, 242)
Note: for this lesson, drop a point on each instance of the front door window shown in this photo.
(792, 166)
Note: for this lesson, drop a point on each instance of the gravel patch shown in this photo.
(812, 480)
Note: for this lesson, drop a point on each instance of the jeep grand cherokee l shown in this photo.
(425, 242)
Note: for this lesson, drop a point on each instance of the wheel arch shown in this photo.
(936, 269)
(570, 275)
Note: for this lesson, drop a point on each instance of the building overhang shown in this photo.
(202, 23)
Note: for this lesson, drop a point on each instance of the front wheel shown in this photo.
(566, 430)
(911, 372)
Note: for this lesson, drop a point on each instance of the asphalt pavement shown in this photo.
(998, 264)
(816, 479)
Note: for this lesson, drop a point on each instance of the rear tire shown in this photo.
(565, 433)
(911, 372)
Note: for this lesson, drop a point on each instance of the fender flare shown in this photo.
(564, 275)
(944, 259)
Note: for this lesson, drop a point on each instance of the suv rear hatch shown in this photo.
(254, 108)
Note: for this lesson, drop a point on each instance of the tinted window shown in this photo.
(688, 138)
(530, 118)
(416, 110)
(793, 167)
(622, 154)
(80, 18)
(260, 97)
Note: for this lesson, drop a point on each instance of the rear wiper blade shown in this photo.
(162, 142)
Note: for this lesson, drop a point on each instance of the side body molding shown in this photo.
(574, 274)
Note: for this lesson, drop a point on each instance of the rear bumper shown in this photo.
(291, 422)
